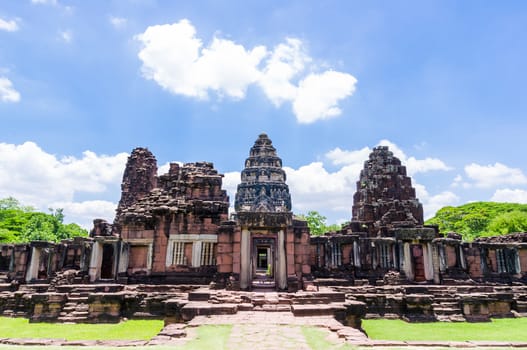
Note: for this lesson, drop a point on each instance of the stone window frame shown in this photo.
(507, 260)
(180, 240)
(142, 242)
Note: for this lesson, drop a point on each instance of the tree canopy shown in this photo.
(481, 219)
(19, 224)
(317, 223)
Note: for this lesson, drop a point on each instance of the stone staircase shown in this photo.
(446, 307)
(76, 308)
(209, 302)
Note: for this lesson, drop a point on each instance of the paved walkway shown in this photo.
(256, 330)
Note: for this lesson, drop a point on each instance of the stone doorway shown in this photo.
(263, 263)
(107, 261)
(418, 262)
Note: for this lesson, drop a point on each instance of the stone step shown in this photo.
(316, 310)
(5, 287)
(196, 308)
(446, 304)
(72, 319)
(77, 299)
(272, 308)
(451, 318)
(447, 311)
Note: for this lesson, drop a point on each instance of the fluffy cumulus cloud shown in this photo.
(43, 180)
(177, 59)
(432, 203)
(413, 165)
(7, 91)
(510, 195)
(8, 26)
(493, 175)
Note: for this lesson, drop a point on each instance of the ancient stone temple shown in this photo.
(386, 232)
(166, 226)
(385, 198)
(270, 247)
(172, 237)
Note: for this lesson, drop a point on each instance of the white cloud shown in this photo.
(66, 36)
(9, 26)
(413, 165)
(45, 2)
(486, 176)
(40, 179)
(286, 61)
(118, 22)
(511, 196)
(173, 56)
(176, 59)
(7, 91)
(342, 157)
(431, 204)
(83, 213)
(319, 94)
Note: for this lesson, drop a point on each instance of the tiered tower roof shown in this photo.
(385, 198)
(263, 187)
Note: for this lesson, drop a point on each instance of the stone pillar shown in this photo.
(245, 268)
(435, 260)
(32, 272)
(356, 254)
(95, 261)
(281, 269)
(407, 265)
(428, 262)
(463, 263)
(123, 258)
(196, 253)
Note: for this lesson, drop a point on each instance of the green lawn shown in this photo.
(129, 330)
(506, 329)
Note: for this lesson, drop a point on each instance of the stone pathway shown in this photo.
(254, 330)
(250, 337)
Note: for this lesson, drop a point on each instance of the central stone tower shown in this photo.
(273, 247)
(263, 187)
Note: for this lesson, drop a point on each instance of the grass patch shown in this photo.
(505, 329)
(316, 338)
(129, 330)
(210, 337)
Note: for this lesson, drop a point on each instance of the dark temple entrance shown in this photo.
(263, 263)
(107, 261)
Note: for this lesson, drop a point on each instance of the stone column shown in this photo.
(123, 257)
(95, 261)
(245, 268)
(428, 262)
(32, 272)
(407, 266)
(281, 269)
(196, 253)
(356, 254)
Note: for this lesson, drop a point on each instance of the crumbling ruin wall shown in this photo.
(172, 230)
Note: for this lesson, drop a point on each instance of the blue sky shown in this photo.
(84, 82)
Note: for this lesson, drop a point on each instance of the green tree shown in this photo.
(317, 223)
(477, 219)
(20, 224)
(514, 221)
